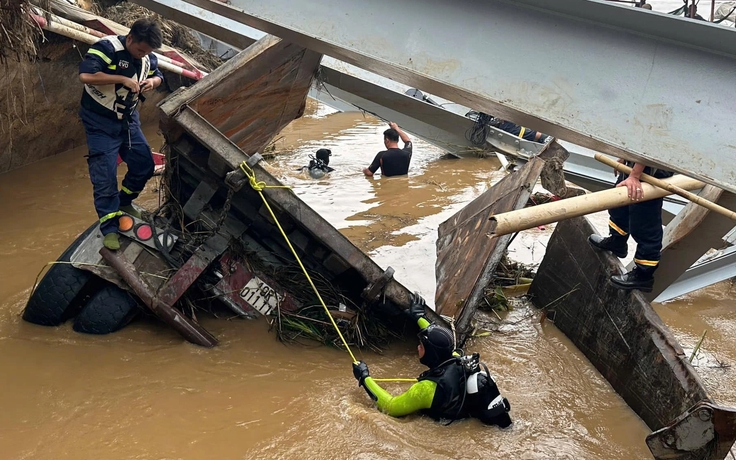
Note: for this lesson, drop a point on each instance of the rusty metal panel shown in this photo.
(188, 273)
(619, 332)
(690, 235)
(255, 94)
(466, 254)
(704, 432)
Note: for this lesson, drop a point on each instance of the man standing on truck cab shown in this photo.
(393, 161)
(115, 71)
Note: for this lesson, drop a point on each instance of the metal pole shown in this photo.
(712, 10)
(189, 329)
(669, 187)
(85, 35)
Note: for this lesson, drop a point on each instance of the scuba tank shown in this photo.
(317, 168)
(483, 400)
(465, 388)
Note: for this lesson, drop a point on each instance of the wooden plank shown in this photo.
(466, 255)
(255, 94)
(618, 332)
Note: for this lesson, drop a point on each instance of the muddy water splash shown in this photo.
(142, 393)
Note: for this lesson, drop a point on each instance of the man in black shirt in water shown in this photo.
(393, 161)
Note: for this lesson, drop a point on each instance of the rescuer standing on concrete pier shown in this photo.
(115, 71)
(641, 219)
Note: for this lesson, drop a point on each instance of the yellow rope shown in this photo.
(259, 186)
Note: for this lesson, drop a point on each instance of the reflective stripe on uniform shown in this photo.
(646, 263)
(522, 131)
(107, 217)
(617, 228)
(128, 191)
(100, 54)
(151, 72)
(112, 67)
(117, 45)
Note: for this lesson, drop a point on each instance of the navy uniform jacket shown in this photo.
(110, 56)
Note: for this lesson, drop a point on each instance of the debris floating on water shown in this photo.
(511, 279)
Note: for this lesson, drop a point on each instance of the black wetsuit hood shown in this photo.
(438, 345)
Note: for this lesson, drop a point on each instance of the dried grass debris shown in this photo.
(175, 35)
(19, 33)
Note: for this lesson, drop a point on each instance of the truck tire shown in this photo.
(60, 294)
(108, 310)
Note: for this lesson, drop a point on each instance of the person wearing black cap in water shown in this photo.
(318, 164)
(453, 388)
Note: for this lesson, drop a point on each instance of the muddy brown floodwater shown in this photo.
(143, 393)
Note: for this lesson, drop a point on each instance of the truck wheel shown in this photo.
(60, 293)
(108, 310)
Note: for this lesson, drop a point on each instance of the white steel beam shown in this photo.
(345, 87)
(619, 80)
(703, 274)
(440, 127)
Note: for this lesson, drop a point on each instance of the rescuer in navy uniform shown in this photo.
(643, 221)
(116, 71)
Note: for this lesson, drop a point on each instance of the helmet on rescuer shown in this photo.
(438, 345)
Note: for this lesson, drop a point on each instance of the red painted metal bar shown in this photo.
(183, 279)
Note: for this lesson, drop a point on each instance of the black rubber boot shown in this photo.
(617, 248)
(635, 279)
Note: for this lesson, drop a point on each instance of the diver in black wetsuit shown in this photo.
(318, 164)
(454, 387)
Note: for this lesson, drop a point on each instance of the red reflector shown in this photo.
(143, 232)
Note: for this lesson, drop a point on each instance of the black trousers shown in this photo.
(643, 221)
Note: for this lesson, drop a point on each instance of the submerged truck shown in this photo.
(226, 234)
